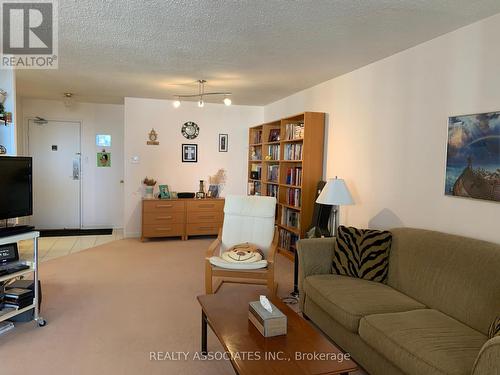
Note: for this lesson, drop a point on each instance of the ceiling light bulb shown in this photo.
(201, 103)
(177, 103)
(227, 101)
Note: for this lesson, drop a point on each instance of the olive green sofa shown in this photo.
(430, 317)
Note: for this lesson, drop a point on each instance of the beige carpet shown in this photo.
(109, 306)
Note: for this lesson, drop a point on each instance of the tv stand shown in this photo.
(29, 235)
(15, 229)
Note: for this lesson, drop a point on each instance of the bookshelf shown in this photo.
(285, 160)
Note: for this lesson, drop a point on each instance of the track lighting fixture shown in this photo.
(201, 94)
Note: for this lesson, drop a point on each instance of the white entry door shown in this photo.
(55, 148)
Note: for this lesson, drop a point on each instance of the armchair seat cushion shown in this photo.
(348, 299)
(219, 262)
(423, 341)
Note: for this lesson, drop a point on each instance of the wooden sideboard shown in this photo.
(181, 217)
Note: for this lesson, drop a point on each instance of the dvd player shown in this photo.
(6, 270)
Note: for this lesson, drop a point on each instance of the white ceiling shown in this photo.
(261, 50)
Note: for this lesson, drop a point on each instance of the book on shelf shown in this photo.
(257, 137)
(273, 172)
(290, 218)
(272, 191)
(294, 131)
(256, 153)
(293, 197)
(293, 151)
(274, 152)
(274, 135)
(256, 172)
(287, 240)
(254, 188)
(294, 176)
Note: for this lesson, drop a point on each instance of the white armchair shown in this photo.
(246, 219)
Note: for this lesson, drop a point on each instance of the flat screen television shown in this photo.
(16, 187)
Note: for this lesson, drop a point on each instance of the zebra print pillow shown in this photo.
(494, 328)
(362, 253)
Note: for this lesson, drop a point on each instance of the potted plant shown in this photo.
(149, 187)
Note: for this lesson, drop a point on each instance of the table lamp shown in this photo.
(335, 193)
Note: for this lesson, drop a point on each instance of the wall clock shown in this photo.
(190, 130)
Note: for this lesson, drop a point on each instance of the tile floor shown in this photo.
(54, 247)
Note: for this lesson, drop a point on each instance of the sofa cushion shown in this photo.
(362, 253)
(423, 341)
(456, 275)
(347, 299)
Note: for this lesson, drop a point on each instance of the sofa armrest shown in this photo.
(488, 360)
(315, 258)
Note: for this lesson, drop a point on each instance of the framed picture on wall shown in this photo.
(223, 142)
(189, 153)
(473, 156)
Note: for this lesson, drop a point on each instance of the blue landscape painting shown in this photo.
(473, 156)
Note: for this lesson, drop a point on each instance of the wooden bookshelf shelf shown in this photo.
(292, 182)
(291, 207)
(290, 229)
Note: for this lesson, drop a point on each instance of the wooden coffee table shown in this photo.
(303, 350)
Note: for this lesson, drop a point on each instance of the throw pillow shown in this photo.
(362, 253)
(243, 253)
(494, 328)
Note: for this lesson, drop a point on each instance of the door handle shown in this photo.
(76, 169)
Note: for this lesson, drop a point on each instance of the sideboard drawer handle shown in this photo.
(207, 217)
(164, 217)
(164, 206)
(163, 229)
(206, 228)
(206, 205)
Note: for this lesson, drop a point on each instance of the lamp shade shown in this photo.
(335, 193)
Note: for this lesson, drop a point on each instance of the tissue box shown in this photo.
(268, 324)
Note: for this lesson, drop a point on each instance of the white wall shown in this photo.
(163, 162)
(8, 133)
(387, 130)
(102, 192)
